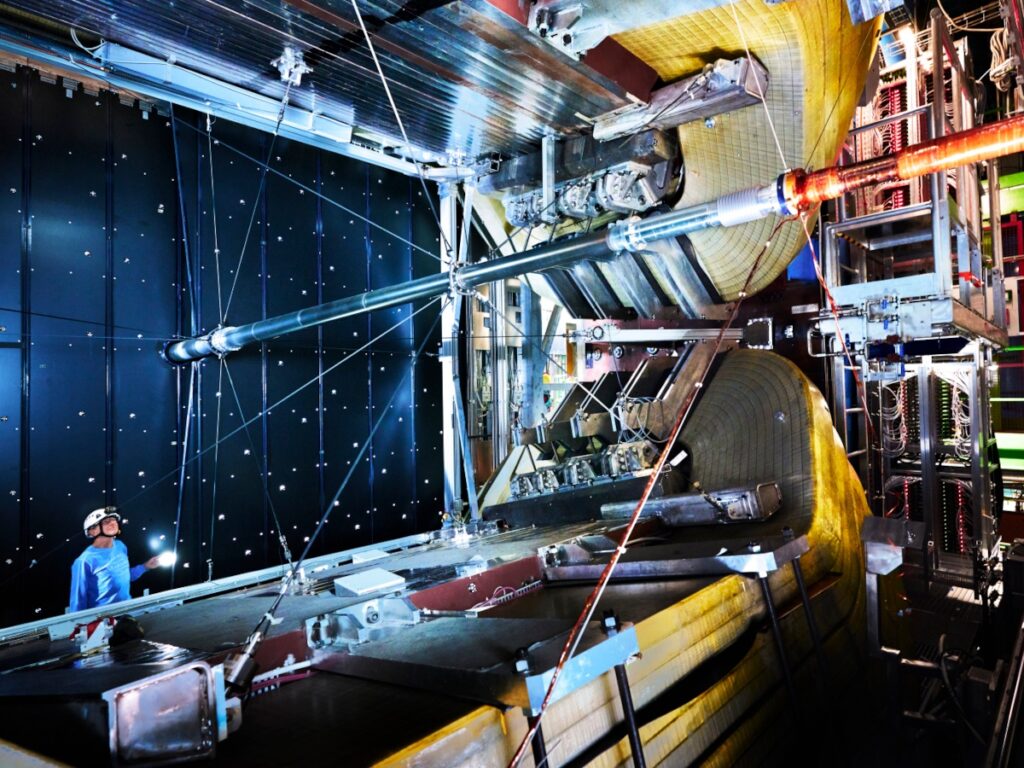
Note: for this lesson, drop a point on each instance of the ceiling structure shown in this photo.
(467, 78)
(477, 82)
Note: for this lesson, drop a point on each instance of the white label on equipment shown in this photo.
(675, 460)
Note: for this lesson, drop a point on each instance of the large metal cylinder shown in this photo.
(224, 340)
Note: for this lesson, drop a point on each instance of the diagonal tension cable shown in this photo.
(264, 167)
(240, 667)
(590, 605)
(261, 470)
(287, 397)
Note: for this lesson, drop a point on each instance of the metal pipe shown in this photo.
(899, 239)
(548, 145)
(793, 191)
(230, 339)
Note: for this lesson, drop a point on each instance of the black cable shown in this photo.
(192, 376)
(952, 694)
(216, 468)
(260, 470)
(51, 316)
(184, 221)
(264, 167)
(268, 617)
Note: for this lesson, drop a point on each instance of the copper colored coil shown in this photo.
(982, 143)
(972, 146)
(830, 183)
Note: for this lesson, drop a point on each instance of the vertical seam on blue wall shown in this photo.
(197, 287)
(25, 513)
(413, 378)
(264, 364)
(368, 250)
(183, 271)
(108, 309)
(320, 329)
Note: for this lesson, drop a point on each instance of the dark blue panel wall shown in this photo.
(12, 104)
(126, 234)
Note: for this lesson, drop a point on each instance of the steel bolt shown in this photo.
(709, 122)
(610, 621)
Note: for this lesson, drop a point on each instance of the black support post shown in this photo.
(540, 750)
(636, 744)
(780, 648)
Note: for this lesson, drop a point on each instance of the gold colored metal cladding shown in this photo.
(817, 60)
(676, 640)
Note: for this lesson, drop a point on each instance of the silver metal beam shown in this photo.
(449, 358)
(612, 334)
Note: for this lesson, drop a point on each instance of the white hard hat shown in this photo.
(97, 516)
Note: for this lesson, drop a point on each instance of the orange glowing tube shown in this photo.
(972, 146)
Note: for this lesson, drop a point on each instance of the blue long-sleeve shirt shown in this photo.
(101, 576)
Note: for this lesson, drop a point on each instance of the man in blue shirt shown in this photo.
(101, 574)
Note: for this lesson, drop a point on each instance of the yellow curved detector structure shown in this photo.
(737, 424)
(817, 63)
